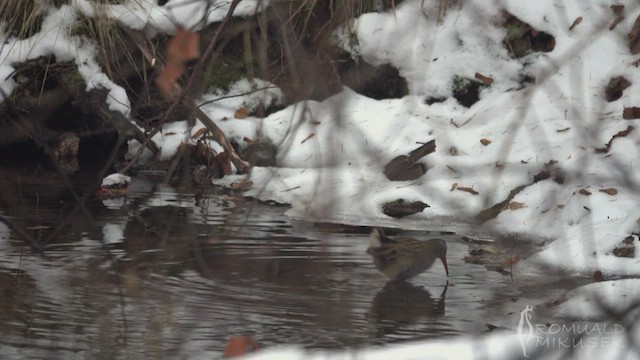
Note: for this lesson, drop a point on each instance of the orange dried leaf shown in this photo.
(165, 80)
(484, 79)
(241, 113)
(239, 346)
(511, 261)
(184, 46)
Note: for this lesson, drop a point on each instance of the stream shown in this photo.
(173, 273)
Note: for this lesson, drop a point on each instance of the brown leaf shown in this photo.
(454, 186)
(484, 79)
(634, 37)
(241, 113)
(615, 22)
(563, 130)
(183, 47)
(307, 138)
(617, 9)
(468, 189)
(223, 163)
(621, 133)
(248, 141)
(485, 142)
(609, 191)
(597, 276)
(584, 192)
(576, 22)
(560, 206)
(630, 113)
(514, 205)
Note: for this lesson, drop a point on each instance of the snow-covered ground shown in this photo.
(331, 153)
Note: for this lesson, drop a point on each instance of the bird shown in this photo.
(402, 258)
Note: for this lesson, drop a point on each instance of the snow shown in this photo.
(116, 179)
(331, 153)
(589, 300)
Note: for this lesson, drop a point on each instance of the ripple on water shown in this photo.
(187, 272)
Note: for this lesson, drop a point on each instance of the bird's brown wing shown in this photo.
(383, 255)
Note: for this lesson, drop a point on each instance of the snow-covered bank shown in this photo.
(336, 175)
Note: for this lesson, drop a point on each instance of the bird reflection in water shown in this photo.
(400, 304)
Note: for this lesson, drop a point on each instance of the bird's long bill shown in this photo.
(444, 262)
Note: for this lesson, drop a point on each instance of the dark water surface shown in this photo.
(171, 274)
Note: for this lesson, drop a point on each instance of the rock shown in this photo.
(614, 89)
(399, 208)
(627, 249)
(404, 167)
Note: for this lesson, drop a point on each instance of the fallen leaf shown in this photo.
(609, 191)
(630, 113)
(616, 22)
(223, 163)
(485, 142)
(560, 206)
(617, 9)
(576, 22)
(514, 205)
(468, 189)
(584, 192)
(451, 168)
(484, 79)
(248, 141)
(563, 130)
(241, 113)
(597, 276)
(634, 37)
(615, 89)
(307, 138)
(621, 133)
(454, 186)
